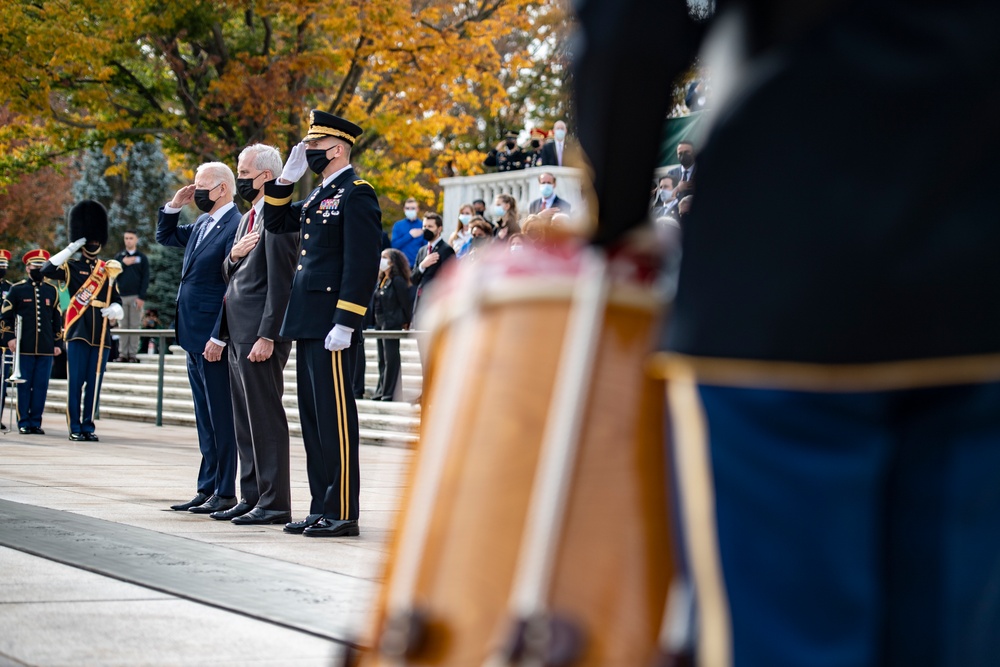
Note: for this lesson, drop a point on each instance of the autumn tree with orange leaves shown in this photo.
(430, 81)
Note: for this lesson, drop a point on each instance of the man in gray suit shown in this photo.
(259, 272)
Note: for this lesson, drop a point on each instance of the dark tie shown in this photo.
(687, 175)
(204, 230)
(253, 214)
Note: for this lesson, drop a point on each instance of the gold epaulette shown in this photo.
(363, 182)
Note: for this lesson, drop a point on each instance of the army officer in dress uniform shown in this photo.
(341, 234)
(36, 301)
(507, 156)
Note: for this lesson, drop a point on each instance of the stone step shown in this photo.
(384, 420)
(367, 436)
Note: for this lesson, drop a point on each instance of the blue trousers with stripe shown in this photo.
(330, 432)
(36, 371)
(81, 369)
(853, 529)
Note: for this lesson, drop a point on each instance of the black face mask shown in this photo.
(245, 187)
(317, 159)
(686, 160)
(428, 235)
(35, 273)
(511, 143)
(479, 240)
(534, 143)
(203, 200)
(3, 272)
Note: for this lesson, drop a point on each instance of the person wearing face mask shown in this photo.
(340, 225)
(132, 284)
(507, 156)
(684, 174)
(664, 203)
(461, 235)
(259, 272)
(479, 209)
(554, 152)
(505, 215)
(549, 198)
(95, 298)
(407, 234)
(206, 244)
(434, 255)
(393, 310)
(36, 301)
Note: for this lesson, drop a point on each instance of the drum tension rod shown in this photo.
(544, 640)
(405, 635)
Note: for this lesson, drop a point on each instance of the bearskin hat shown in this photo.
(89, 220)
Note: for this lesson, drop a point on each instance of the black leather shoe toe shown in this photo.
(328, 528)
(296, 527)
(240, 509)
(194, 502)
(91, 437)
(24, 430)
(37, 430)
(77, 437)
(214, 504)
(259, 517)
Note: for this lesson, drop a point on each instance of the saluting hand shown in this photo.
(244, 246)
(296, 165)
(183, 197)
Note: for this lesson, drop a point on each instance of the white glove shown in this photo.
(296, 165)
(113, 312)
(339, 338)
(60, 257)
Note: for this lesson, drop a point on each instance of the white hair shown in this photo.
(263, 158)
(219, 173)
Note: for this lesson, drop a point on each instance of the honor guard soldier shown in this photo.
(95, 300)
(36, 301)
(507, 156)
(5, 286)
(341, 232)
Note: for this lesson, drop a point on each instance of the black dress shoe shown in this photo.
(37, 430)
(194, 502)
(25, 430)
(91, 437)
(240, 509)
(329, 528)
(214, 504)
(296, 527)
(257, 516)
(77, 437)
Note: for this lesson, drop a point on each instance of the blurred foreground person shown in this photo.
(834, 380)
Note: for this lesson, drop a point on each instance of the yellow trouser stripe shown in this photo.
(352, 307)
(697, 495)
(338, 395)
(345, 449)
(278, 201)
(796, 376)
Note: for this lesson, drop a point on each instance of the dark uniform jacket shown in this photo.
(5, 286)
(507, 160)
(340, 241)
(74, 273)
(41, 320)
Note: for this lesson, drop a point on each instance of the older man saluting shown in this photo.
(341, 233)
(206, 244)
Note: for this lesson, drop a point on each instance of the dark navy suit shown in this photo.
(199, 314)
(340, 240)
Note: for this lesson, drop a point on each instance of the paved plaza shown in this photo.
(95, 570)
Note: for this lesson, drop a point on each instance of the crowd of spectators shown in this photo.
(542, 149)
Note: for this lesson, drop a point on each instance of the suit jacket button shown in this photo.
(298, 268)
(328, 289)
(303, 252)
(306, 236)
